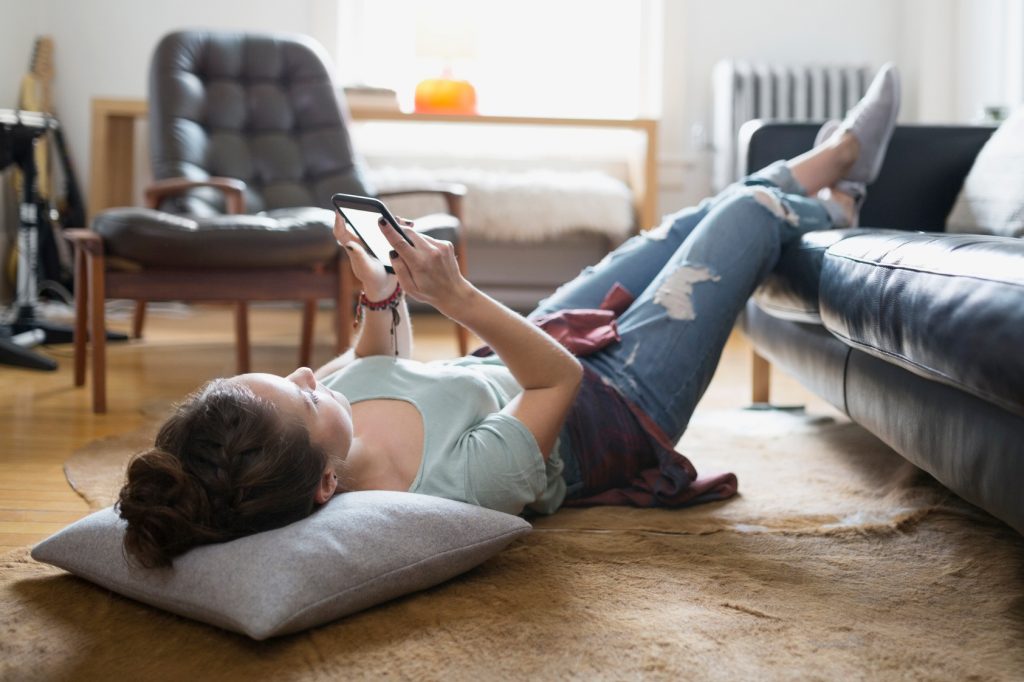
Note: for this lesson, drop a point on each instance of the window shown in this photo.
(593, 58)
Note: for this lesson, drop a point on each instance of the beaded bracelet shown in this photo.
(391, 302)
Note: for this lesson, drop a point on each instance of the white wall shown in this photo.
(117, 38)
(698, 34)
(944, 48)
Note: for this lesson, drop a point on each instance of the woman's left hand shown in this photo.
(377, 282)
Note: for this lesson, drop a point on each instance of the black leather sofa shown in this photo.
(915, 333)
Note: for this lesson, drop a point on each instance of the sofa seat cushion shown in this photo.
(790, 292)
(947, 307)
(292, 237)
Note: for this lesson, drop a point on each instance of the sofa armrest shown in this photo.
(923, 172)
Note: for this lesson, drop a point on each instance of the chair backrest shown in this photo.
(262, 108)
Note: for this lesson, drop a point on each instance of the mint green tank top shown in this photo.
(472, 452)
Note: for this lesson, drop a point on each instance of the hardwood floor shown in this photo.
(43, 418)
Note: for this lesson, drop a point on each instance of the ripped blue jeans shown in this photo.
(691, 276)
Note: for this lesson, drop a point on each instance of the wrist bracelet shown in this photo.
(391, 302)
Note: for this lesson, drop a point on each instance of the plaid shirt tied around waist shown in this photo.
(624, 457)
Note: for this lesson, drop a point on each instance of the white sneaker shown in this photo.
(872, 121)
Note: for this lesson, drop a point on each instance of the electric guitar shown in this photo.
(36, 94)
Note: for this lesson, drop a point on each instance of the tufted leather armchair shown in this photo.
(248, 141)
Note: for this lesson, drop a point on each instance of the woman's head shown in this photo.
(230, 462)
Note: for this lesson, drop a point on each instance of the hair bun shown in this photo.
(165, 508)
(224, 465)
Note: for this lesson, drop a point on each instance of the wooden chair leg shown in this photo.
(80, 334)
(243, 360)
(760, 379)
(98, 332)
(306, 340)
(138, 319)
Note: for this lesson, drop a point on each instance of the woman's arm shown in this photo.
(376, 336)
(549, 374)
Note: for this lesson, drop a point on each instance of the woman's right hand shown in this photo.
(427, 269)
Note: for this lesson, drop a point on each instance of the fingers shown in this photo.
(356, 250)
(405, 277)
(339, 226)
(342, 232)
(398, 243)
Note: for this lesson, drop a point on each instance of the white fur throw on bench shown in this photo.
(529, 206)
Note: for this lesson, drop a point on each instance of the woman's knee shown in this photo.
(756, 202)
(765, 213)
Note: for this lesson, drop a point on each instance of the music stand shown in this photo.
(19, 131)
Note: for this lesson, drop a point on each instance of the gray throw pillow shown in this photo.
(360, 549)
(992, 198)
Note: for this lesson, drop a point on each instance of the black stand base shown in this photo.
(56, 333)
(21, 355)
(18, 355)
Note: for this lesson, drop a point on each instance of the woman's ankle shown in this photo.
(847, 149)
(847, 204)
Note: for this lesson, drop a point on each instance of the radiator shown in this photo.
(744, 91)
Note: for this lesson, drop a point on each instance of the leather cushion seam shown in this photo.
(982, 393)
(890, 266)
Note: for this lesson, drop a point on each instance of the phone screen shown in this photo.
(364, 223)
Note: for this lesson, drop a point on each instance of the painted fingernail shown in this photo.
(392, 254)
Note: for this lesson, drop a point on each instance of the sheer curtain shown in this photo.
(592, 58)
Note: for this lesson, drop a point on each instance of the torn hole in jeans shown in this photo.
(676, 293)
(775, 205)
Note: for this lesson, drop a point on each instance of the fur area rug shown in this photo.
(837, 561)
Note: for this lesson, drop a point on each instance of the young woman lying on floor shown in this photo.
(530, 427)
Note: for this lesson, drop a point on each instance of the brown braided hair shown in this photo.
(225, 465)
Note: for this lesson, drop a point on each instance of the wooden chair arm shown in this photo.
(232, 188)
(452, 192)
(86, 239)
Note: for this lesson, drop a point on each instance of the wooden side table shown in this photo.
(112, 151)
(112, 169)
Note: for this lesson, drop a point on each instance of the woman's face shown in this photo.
(326, 413)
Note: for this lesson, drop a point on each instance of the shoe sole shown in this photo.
(876, 169)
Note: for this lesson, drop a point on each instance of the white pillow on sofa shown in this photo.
(359, 549)
(992, 198)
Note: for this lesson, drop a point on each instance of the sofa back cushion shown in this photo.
(992, 198)
(924, 168)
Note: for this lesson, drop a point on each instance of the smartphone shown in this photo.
(361, 214)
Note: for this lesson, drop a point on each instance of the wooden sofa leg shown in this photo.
(81, 329)
(242, 357)
(98, 332)
(760, 380)
(308, 326)
(138, 319)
